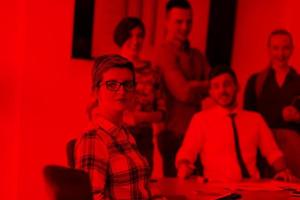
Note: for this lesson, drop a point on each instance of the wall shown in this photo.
(55, 91)
(10, 56)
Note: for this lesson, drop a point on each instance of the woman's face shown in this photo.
(116, 90)
(134, 44)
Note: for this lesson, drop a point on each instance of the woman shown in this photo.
(149, 105)
(108, 151)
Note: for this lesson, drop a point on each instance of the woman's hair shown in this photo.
(123, 30)
(106, 62)
(103, 64)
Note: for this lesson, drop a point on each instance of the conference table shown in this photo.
(196, 188)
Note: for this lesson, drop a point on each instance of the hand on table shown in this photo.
(184, 170)
(291, 114)
(286, 175)
(156, 193)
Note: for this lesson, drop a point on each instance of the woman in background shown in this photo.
(108, 152)
(149, 105)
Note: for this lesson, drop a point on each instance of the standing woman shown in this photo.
(149, 105)
(108, 151)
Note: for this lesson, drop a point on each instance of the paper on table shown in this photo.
(286, 185)
(255, 186)
(268, 185)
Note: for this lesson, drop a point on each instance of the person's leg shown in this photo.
(168, 145)
(144, 140)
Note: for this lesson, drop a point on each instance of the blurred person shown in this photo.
(149, 107)
(275, 93)
(107, 152)
(184, 76)
(227, 138)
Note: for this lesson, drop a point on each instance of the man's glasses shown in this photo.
(112, 85)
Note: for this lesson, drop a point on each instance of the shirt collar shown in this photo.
(292, 72)
(99, 122)
(223, 112)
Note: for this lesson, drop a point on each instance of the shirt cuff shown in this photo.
(185, 162)
(272, 157)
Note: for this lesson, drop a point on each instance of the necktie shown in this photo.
(241, 162)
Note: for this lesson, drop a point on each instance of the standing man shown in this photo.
(275, 93)
(184, 73)
(227, 138)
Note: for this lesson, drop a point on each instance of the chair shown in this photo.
(68, 184)
(71, 153)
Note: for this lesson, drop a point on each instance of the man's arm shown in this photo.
(191, 146)
(181, 88)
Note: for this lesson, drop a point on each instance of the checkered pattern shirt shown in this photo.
(117, 170)
(149, 94)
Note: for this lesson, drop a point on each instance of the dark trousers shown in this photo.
(168, 145)
(143, 136)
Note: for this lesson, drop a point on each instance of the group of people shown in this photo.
(133, 97)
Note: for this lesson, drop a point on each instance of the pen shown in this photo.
(231, 196)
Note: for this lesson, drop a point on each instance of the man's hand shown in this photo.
(184, 170)
(285, 175)
(291, 114)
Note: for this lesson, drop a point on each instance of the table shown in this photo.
(179, 189)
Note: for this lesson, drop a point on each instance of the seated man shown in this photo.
(227, 138)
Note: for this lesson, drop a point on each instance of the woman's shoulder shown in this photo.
(92, 136)
(92, 140)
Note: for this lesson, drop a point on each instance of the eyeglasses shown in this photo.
(115, 86)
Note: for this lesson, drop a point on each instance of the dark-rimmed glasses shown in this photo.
(114, 86)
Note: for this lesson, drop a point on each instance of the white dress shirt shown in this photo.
(210, 134)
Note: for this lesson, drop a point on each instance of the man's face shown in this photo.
(223, 90)
(280, 50)
(179, 23)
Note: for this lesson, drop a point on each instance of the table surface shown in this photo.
(179, 189)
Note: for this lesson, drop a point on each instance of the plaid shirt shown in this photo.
(117, 170)
(149, 95)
